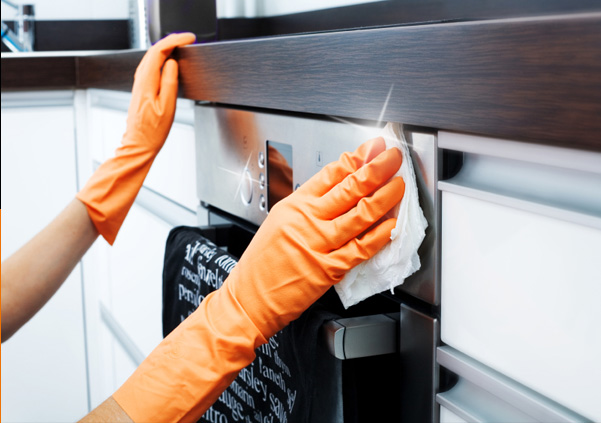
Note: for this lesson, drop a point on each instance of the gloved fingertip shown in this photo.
(170, 70)
(369, 150)
(375, 147)
(393, 157)
(179, 39)
(397, 188)
(187, 38)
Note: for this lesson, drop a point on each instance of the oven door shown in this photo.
(387, 343)
(236, 170)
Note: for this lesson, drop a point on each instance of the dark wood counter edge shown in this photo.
(30, 73)
(531, 79)
(111, 71)
(114, 70)
(534, 79)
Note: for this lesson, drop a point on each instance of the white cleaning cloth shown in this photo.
(398, 259)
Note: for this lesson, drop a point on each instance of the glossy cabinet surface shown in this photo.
(43, 371)
(520, 282)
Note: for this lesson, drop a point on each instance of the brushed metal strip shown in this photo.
(528, 401)
(121, 336)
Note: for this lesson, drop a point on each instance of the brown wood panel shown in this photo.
(38, 72)
(109, 71)
(532, 79)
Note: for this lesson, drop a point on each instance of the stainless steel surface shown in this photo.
(26, 26)
(510, 397)
(567, 158)
(557, 182)
(419, 338)
(423, 284)
(365, 336)
(231, 167)
(24, 38)
(476, 405)
(231, 151)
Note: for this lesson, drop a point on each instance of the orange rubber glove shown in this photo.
(307, 243)
(112, 189)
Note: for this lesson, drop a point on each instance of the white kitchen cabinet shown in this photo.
(173, 173)
(44, 364)
(127, 310)
(521, 237)
(135, 277)
(109, 309)
(124, 313)
(447, 416)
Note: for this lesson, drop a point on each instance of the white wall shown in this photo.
(119, 9)
(73, 9)
(264, 8)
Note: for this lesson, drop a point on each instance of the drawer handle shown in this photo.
(496, 391)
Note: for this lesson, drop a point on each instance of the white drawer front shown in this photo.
(520, 293)
(447, 416)
(173, 173)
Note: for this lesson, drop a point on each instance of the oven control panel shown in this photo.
(247, 161)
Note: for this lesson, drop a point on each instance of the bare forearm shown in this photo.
(35, 272)
(108, 411)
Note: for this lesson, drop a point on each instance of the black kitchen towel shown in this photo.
(293, 378)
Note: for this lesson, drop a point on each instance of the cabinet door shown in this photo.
(521, 230)
(136, 274)
(126, 319)
(43, 365)
(173, 173)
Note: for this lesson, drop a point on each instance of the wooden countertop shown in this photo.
(532, 79)
(87, 69)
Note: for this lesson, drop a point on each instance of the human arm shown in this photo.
(112, 189)
(35, 272)
(108, 411)
(307, 243)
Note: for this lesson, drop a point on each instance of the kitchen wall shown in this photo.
(264, 8)
(119, 9)
(73, 9)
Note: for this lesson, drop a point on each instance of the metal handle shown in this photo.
(556, 182)
(475, 405)
(365, 336)
(484, 394)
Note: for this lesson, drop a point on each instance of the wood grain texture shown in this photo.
(111, 71)
(38, 72)
(532, 79)
(114, 71)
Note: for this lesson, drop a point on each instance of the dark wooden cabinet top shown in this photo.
(535, 79)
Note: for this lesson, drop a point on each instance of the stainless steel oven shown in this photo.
(387, 342)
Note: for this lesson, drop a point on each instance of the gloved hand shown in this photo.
(112, 189)
(307, 243)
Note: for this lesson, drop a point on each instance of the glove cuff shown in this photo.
(110, 192)
(190, 369)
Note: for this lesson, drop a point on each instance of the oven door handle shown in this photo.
(364, 336)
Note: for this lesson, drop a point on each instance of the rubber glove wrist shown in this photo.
(192, 366)
(307, 243)
(112, 189)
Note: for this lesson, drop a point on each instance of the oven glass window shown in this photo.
(279, 172)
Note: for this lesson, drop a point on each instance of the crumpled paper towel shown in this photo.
(398, 259)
